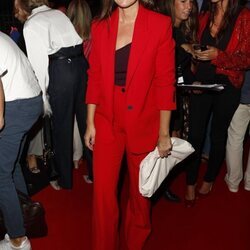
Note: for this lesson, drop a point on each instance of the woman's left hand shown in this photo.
(164, 145)
(209, 54)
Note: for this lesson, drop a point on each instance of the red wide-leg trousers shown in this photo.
(108, 155)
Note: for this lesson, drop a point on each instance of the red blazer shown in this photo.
(236, 58)
(149, 83)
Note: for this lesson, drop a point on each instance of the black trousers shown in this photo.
(223, 105)
(67, 87)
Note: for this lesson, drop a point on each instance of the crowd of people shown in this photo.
(112, 85)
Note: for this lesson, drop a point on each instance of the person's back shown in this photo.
(55, 51)
(54, 27)
(19, 80)
(51, 30)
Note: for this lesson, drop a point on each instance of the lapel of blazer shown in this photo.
(139, 41)
(109, 44)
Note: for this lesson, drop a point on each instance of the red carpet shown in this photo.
(219, 222)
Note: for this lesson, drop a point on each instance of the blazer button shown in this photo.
(130, 107)
(123, 90)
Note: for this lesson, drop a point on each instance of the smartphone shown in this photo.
(199, 47)
(203, 47)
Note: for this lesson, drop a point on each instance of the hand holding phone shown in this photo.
(206, 53)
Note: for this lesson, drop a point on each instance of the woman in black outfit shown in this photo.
(224, 29)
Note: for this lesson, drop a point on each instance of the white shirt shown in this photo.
(17, 75)
(45, 32)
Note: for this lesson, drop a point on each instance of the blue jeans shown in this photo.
(20, 115)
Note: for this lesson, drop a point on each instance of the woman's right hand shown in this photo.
(210, 53)
(89, 136)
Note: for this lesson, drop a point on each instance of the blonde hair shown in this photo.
(80, 15)
(29, 5)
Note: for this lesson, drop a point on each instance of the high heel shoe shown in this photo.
(170, 196)
(208, 187)
(190, 197)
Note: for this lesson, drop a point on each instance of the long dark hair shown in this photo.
(188, 27)
(229, 15)
(109, 5)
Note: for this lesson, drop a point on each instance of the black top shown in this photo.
(205, 70)
(121, 64)
(183, 58)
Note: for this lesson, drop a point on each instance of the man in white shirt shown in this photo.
(55, 51)
(20, 106)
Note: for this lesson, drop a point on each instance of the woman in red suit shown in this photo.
(225, 31)
(130, 97)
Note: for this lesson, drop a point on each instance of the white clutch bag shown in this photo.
(154, 169)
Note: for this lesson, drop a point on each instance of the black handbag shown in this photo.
(49, 154)
(46, 164)
(34, 218)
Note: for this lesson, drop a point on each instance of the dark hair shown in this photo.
(109, 5)
(188, 27)
(80, 15)
(29, 5)
(232, 8)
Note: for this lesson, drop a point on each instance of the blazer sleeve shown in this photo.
(239, 59)
(94, 71)
(164, 79)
